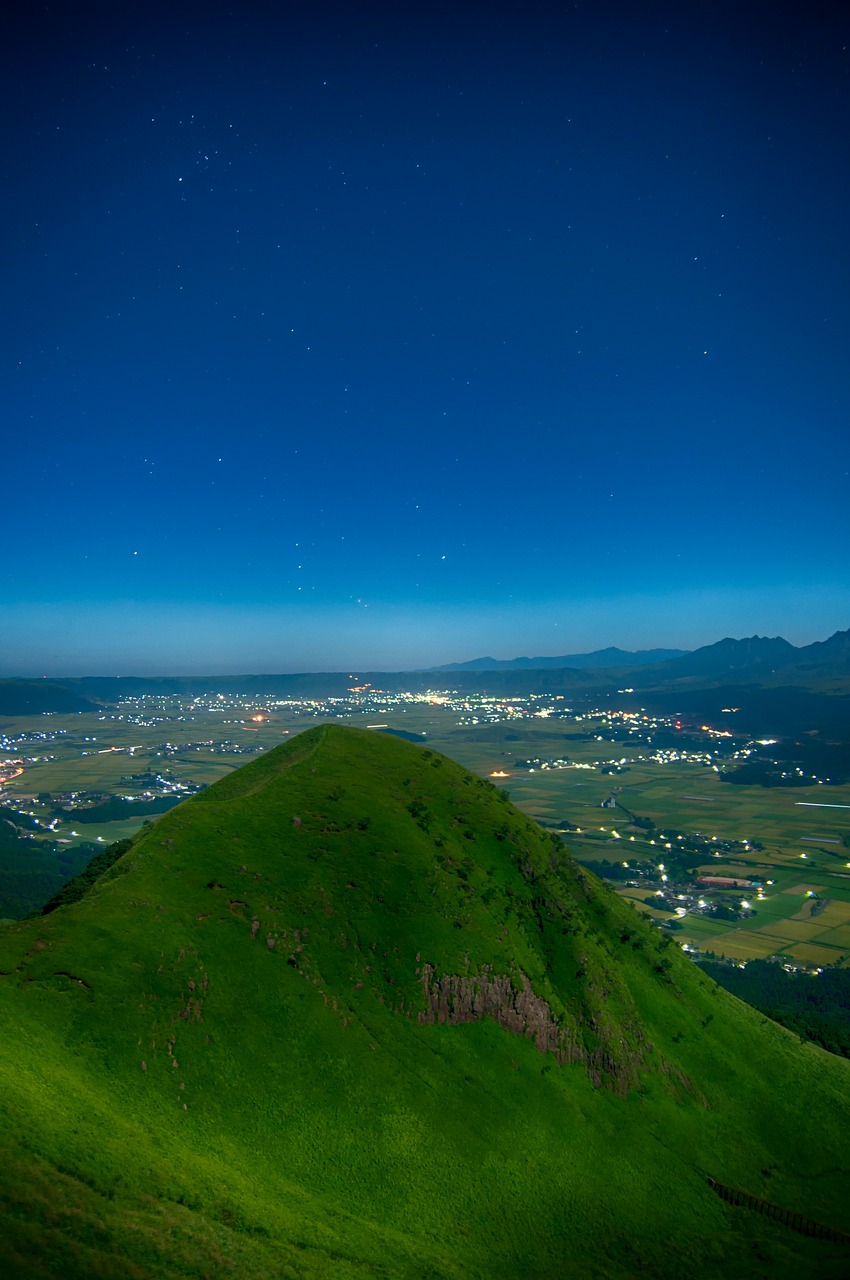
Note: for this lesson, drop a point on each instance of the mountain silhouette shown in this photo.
(348, 1013)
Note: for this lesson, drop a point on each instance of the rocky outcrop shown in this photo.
(453, 998)
(613, 1061)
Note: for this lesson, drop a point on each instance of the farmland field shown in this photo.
(560, 764)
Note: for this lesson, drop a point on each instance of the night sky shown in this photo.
(383, 335)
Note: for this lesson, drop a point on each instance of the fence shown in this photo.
(796, 1221)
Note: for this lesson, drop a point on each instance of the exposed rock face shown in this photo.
(456, 999)
(613, 1062)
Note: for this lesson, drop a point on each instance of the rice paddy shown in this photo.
(560, 771)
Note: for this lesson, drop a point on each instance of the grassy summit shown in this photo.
(347, 1013)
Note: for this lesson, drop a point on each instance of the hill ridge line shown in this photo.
(297, 757)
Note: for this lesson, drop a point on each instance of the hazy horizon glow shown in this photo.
(126, 638)
(392, 337)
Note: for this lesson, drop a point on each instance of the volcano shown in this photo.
(348, 1013)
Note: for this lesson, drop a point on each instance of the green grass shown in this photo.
(260, 950)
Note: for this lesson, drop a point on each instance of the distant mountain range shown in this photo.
(753, 655)
(37, 697)
(757, 659)
(762, 658)
(823, 667)
(610, 657)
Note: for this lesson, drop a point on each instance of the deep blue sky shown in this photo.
(383, 335)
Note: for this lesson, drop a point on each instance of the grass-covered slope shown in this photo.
(347, 1013)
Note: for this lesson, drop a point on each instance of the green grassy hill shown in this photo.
(347, 1013)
